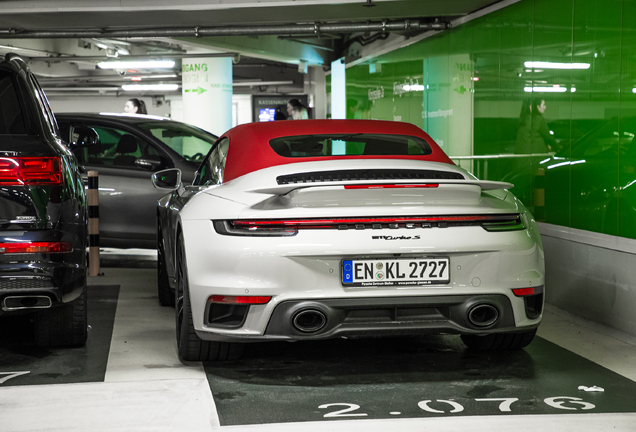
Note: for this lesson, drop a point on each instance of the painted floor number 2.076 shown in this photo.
(444, 406)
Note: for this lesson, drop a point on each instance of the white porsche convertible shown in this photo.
(299, 230)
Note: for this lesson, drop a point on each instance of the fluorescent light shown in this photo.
(141, 64)
(572, 89)
(413, 87)
(150, 87)
(553, 65)
(554, 89)
(139, 78)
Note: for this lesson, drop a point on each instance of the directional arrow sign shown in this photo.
(197, 90)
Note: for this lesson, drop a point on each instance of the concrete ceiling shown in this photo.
(48, 32)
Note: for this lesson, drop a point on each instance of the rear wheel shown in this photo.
(190, 346)
(499, 341)
(63, 326)
(165, 293)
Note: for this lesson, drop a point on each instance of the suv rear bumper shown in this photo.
(57, 276)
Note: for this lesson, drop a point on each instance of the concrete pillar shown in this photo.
(207, 93)
(448, 103)
(338, 90)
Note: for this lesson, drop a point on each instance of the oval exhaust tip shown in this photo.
(309, 320)
(483, 315)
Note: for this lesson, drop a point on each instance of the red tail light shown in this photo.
(290, 227)
(35, 247)
(391, 186)
(521, 292)
(239, 299)
(16, 171)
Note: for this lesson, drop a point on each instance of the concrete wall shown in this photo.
(591, 275)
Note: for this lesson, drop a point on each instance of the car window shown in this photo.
(11, 120)
(116, 148)
(191, 143)
(349, 145)
(211, 170)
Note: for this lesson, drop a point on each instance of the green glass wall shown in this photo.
(572, 165)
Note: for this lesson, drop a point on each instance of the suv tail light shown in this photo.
(35, 247)
(41, 170)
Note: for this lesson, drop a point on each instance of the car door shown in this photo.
(125, 160)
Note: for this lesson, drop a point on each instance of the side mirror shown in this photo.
(150, 162)
(169, 179)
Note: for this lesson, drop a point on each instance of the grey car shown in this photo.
(130, 149)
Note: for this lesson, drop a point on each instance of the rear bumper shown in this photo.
(381, 317)
(57, 276)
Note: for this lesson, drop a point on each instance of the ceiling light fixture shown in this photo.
(553, 89)
(139, 78)
(141, 64)
(150, 87)
(554, 65)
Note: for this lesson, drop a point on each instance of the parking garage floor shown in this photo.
(128, 377)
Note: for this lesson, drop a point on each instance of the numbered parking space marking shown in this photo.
(408, 378)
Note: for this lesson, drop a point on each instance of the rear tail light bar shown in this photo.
(35, 247)
(392, 186)
(41, 170)
(290, 227)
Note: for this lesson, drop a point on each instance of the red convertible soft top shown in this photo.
(250, 151)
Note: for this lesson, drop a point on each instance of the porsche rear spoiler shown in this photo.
(378, 184)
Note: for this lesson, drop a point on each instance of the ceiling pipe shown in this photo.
(235, 56)
(288, 29)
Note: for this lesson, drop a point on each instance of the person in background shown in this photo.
(279, 115)
(135, 106)
(533, 135)
(297, 110)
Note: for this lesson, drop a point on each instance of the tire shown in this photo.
(164, 292)
(63, 326)
(189, 345)
(499, 341)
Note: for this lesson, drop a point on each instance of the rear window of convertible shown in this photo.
(349, 145)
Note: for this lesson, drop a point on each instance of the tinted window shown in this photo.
(191, 143)
(11, 121)
(211, 170)
(349, 145)
(116, 148)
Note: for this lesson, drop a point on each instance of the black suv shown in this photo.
(43, 214)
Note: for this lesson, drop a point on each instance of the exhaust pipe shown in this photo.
(12, 303)
(309, 320)
(483, 315)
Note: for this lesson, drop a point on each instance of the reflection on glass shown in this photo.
(465, 87)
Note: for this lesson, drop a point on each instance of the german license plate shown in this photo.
(401, 272)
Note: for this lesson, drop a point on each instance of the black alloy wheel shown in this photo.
(63, 326)
(189, 345)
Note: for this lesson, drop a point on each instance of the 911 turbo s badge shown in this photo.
(416, 237)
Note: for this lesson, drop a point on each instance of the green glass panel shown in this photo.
(560, 130)
(624, 204)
